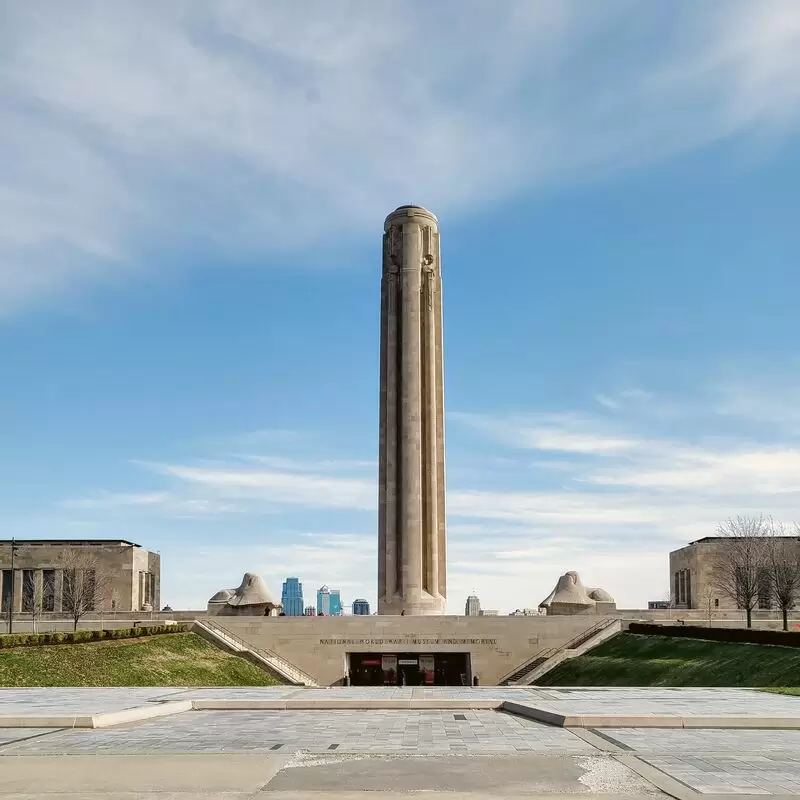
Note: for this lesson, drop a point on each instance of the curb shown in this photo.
(105, 720)
(648, 721)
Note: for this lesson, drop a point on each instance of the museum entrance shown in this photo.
(409, 669)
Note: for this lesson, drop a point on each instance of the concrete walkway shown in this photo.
(378, 744)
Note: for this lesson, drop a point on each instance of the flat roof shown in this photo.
(723, 538)
(84, 542)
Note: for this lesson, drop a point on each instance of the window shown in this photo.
(48, 590)
(91, 589)
(68, 590)
(147, 588)
(688, 598)
(142, 589)
(5, 589)
(764, 591)
(28, 590)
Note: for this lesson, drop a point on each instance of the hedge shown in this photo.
(745, 635)
(74, 637)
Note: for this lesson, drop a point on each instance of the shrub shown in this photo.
(742, 635)
(75, 637)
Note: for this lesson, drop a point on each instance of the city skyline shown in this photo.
(192, 264)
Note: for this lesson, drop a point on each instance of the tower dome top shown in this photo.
(411, 211)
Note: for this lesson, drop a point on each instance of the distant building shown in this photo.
(310, 611)
(473, 606)
(488, 612)
(131, 575)
(292, 597)
(360, 608)
(691, 578)
(329, 602)
(526, 612)
(324, 601)
(656, 605)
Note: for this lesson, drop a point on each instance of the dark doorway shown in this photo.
(410, 669)
(366, 670)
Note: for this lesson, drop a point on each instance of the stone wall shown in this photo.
(319, 645)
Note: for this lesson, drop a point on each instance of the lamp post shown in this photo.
(11, 603)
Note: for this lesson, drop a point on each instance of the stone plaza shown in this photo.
(290, 742)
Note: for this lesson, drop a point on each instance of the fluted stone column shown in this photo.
(411, 548)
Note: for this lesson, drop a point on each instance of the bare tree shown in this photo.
(83, 584)
(707, 598)
(114, 601)
(783, 567)
(738, 569)
(37, 604)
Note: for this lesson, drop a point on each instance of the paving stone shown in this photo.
(636, 701)
(57, 701)
(313, 731)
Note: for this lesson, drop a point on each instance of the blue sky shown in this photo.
(191, 207)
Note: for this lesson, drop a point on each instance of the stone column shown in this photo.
(411, 572)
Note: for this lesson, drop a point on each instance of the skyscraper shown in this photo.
(329, 602)
(292, 597)
(324, 601)
(473, 606)
(411, 528)
(360, 608)
(336, 603)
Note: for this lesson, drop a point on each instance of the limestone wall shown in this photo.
(319, 645)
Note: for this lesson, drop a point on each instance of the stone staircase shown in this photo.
(545, 660)
(221, 636)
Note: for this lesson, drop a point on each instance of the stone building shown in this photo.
(691, 576)
(131, 574)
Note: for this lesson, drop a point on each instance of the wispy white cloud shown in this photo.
(162, 503)
(607, 402)
(248, 126)
(275, 487)
(549, 432)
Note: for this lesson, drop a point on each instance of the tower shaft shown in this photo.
(411, 569)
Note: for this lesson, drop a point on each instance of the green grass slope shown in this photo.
(176, 659)
(635, 660)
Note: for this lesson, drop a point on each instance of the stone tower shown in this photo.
(412, 575)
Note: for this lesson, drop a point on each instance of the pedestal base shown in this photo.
(419, 604)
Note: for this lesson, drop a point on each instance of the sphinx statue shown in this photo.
(571, 597)
(250, 598)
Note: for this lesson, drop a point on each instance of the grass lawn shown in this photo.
(174, 659)
(635, 660)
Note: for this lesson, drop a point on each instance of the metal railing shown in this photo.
(581, 638)
(271, 657)
(527, 666)
(545, 655)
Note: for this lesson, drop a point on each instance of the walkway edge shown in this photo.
(103, 720)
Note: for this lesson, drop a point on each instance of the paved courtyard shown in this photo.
(388, 753)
